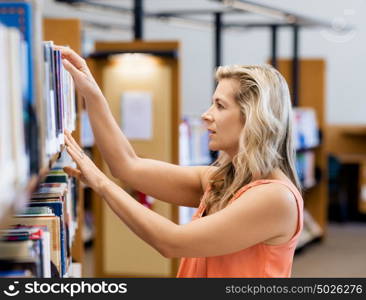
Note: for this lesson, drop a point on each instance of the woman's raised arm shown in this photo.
(164, 181)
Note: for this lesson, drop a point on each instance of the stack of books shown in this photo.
(39, 240)
(37, 100)
(25, 251)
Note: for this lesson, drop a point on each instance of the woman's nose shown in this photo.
(206, 116)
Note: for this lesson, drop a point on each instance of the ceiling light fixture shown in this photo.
(260, 10)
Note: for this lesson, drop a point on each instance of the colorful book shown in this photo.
(52, 223)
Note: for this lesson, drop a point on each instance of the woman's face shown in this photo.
(223, 118)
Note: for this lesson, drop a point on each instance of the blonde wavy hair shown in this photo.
(266, 140)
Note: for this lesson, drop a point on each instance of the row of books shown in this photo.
(59, 99)
(25, 17)
(39, 240)
(37, 99)
(14, 162)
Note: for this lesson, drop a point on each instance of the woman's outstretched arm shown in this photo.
(261, 214)
(164, 181)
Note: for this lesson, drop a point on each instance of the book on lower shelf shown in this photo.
(26, 249)
(39, 240)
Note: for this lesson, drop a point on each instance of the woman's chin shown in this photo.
(213, 147)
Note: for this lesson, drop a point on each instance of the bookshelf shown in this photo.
(312, 94)
(347, 143)
(63, 32)
(118, 252)
(68, 32)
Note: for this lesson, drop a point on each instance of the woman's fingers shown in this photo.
(87, 171)
(72, 56)
(72, 172)
(75, 155)
(71, 142)
(75, 73)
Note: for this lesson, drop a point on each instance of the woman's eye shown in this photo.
(219, 106)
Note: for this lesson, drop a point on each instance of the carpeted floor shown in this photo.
(341, 254)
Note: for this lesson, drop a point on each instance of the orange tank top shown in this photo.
(260, 260)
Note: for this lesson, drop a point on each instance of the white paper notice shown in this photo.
(136, 115)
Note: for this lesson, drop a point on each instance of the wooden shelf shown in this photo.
(354, 130)
(61, 32)
(347, 143)
(352, 158)
(312, 94)
(69, 32)
(118, 252)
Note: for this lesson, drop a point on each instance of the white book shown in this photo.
(46, 244)
(75, 269)
(47, 101)
(39, 76)
(16, 102)
(7, 163)
(53, 138)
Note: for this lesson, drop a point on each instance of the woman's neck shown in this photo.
(278, 175)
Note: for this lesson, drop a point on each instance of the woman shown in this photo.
(249, 213)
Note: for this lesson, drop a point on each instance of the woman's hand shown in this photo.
(77, 67)
(87, 171)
